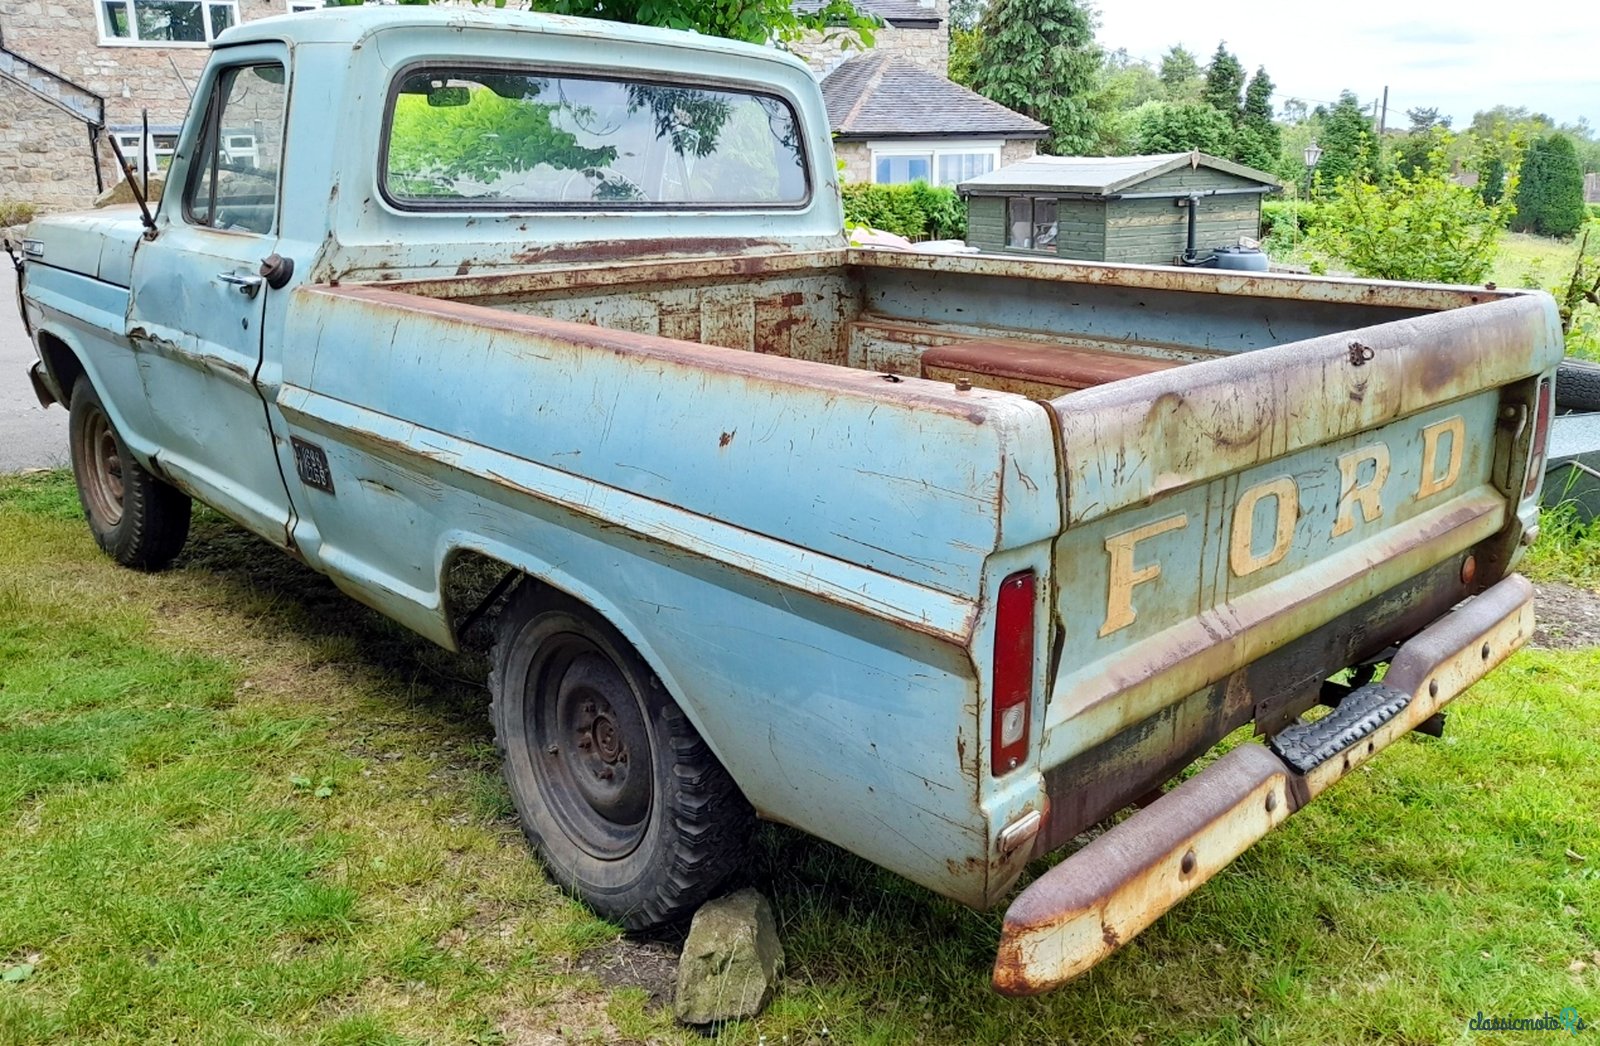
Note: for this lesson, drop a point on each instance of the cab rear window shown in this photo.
(460, 137)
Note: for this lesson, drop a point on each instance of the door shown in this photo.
(198, 300)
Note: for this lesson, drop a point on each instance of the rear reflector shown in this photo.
(1541, 438)
(1013, 672)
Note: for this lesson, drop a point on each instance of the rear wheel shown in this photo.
(136, 519)
(614, 787)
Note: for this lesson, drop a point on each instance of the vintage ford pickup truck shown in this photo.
(942, 559)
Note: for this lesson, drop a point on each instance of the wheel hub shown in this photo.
(101, 469)
(586, 722)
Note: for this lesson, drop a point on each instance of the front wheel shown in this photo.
(136, 519)
(614, 787)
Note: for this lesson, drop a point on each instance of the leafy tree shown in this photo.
(1180, 74)
(1413, 150)
(431, 149)
(965, 14)
(1122, 85)
(1550, 194)
(1039, 57)
(964, 47)
(1225, 84)
(1164, 127)
(1349, 148)
(1426, 119)
(1418, 227)
(1259, 141)
(753, 21)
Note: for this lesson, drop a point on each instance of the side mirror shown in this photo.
(449, 97)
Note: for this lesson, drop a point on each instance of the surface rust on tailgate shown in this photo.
(1129, 442)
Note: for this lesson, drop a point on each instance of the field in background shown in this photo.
(236, 806)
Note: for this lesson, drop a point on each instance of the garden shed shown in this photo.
(1170, 209)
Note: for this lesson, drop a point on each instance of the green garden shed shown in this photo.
(1176, 208)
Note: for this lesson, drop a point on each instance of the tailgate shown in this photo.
(1218, 511)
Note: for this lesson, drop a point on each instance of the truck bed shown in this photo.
(1037, 328)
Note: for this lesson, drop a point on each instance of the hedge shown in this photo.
(917, 211)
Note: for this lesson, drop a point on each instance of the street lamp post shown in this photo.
(1313, 153)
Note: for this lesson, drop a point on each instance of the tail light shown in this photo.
(1013, 672)
(1541, 438)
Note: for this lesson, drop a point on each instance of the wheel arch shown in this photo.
(63, 364)
(462, 569)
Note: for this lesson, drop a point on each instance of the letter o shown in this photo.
(1241, 548)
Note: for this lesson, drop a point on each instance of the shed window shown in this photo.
(165, 23)
(1031, 223)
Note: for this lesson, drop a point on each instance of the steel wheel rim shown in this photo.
(590, 747)
(101, 469)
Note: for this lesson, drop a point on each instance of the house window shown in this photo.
(165, 23)
(1031, 223)
(156, 152)
(935, 163)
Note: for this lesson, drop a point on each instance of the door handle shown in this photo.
(249, 286)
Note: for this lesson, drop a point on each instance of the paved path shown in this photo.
(30, 436)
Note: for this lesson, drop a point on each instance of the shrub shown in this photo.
(15, 212)
(1550, 196)
(1288, 219)
(917, 211)
(1422, 227)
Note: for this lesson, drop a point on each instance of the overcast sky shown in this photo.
(1457, 55)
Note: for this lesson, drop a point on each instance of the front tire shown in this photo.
(614, 787)
(135, 518)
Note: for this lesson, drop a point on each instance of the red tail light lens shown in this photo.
(1541, 438)
(1013, 673)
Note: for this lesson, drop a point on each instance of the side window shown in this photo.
(233, 183)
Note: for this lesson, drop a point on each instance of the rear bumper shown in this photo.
(1084, 908)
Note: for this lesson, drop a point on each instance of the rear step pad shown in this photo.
(1307, 745)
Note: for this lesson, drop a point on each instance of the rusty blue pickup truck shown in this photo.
(943, 559)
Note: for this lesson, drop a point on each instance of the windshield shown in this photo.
(465, 137)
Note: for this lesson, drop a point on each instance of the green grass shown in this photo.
(1567, 550)
(169, 871)
(1526, 260)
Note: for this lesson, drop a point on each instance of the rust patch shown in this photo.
(727, 438)
(631, 250)
(778, 372)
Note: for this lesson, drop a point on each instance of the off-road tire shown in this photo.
(137, 519)
(556, 662)
(1578, 386)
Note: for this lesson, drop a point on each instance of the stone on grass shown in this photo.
(731, 962)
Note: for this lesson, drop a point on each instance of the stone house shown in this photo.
(74, 71)
(896, 115)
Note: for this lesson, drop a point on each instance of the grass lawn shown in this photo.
(237, 807)
(1526, 260)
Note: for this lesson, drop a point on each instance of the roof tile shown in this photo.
(880, 95)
